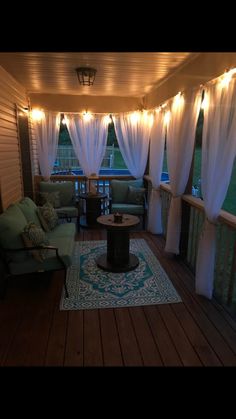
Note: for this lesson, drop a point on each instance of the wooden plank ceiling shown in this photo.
(118, 74)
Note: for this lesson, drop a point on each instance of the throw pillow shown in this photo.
(52, 198)
(33, 235)
(48, 217)
(135, 195)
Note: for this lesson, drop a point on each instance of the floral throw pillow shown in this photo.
(135, 195)
(33, 235)
(48, 217)
(52, 198)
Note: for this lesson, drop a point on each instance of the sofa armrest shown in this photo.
(26, 249)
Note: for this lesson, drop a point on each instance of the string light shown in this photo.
(107, 119)
(167, 118)
(226, 78)
(87, 116)
(37, 114)
(205, 102)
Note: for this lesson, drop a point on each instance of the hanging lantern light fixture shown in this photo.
(86, 75)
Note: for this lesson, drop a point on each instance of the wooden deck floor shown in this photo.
(33, 332)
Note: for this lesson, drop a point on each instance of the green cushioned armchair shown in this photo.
(67, 203)
(128, 197)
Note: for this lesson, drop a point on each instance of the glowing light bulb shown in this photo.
(87, 116)
(134, 117)
(205, 102)
(178, 101)
(107, 119)
(37, 115)
(150, 120)
(63, 121)
(167, 118)
(226, 78)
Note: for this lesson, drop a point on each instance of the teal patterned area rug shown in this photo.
(90, 287)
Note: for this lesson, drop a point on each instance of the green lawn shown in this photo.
(230, 200)
(118, 160)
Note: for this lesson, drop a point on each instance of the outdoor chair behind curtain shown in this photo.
(218, 154)
(89, 139)
(47, 133)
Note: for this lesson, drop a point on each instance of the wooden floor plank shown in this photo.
(40, 332)
(129, 346)
(92, 339)
(222, 349)
(185, 350)
(197, 339)
(162, 338)
(33, 331)
(110, 339)
(58, 332)
(147, 345)
(74, 353)
(11, 312)
(24, 349)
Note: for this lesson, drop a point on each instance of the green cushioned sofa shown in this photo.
(18, 259)
(119, 198)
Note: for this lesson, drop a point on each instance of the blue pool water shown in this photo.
(112, 172)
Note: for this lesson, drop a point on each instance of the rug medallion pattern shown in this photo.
(90, 287)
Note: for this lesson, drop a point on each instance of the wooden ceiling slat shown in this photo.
(120, 74)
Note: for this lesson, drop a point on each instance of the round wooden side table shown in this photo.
(93, 208)
(118, 257)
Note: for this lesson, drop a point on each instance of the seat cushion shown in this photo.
(128, 209)
(65, 249)
(119, 189)
(67, 212)
(62, 230)
(66, 191)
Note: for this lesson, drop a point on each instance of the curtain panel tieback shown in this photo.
(176, 196)
(208, 227)
(156, 188)
(212, 222)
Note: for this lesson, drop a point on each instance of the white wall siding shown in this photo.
(11, 94)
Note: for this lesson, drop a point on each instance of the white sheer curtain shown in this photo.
(180, 144)
(47, 134)
(157, 142)
(133, 132)
(218, 153)
(89, 139)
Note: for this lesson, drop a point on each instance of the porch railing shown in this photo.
(225, 261)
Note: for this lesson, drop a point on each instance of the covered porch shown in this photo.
(201, 330)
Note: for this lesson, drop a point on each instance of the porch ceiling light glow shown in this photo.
(86, 75)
